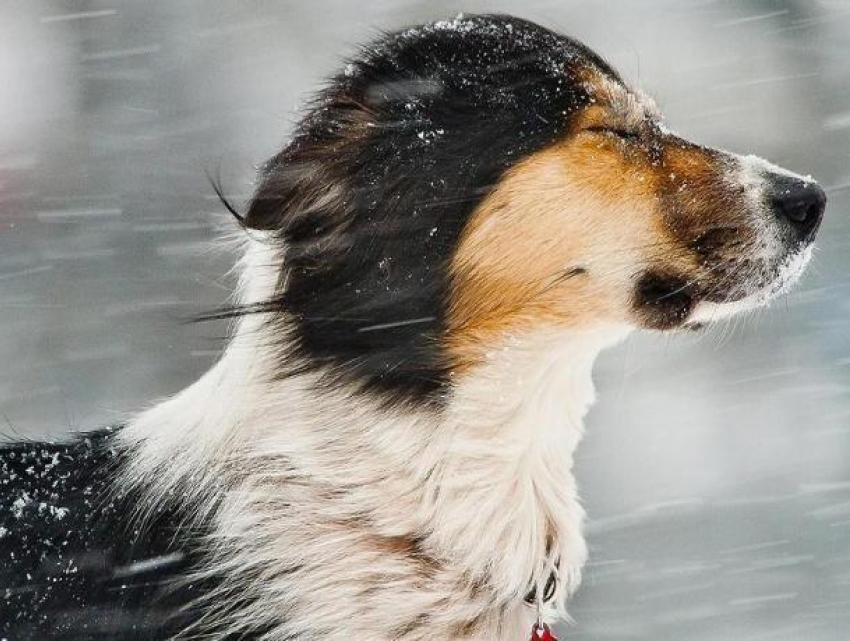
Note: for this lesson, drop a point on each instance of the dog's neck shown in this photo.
(507, 483)
(484, 485)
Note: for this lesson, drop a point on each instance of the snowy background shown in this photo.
(716, 468)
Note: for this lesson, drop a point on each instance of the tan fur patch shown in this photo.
(578, 205)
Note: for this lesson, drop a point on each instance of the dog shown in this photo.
(468, 213)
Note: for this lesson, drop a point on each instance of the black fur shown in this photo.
(74, 563)
(410, 138)
(663, 301)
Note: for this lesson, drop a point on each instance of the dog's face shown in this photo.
(622, 221)
(485, 177)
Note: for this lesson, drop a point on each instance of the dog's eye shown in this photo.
(622, 134)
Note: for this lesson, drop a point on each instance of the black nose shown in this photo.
(799, 203)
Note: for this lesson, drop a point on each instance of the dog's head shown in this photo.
(481, 177)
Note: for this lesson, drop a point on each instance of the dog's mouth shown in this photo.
(754, 286)
(668, 301)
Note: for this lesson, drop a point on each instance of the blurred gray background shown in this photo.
(716, 467)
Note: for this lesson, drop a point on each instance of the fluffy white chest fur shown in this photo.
(338, 517)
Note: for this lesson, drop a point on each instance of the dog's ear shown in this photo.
(302, 184)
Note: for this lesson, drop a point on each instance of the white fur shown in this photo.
(315, 496)
(751, 173)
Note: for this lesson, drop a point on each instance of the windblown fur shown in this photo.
(465, 218)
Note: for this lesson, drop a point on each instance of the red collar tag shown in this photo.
(541, 632)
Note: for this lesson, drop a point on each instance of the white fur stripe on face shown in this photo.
(752, 172)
